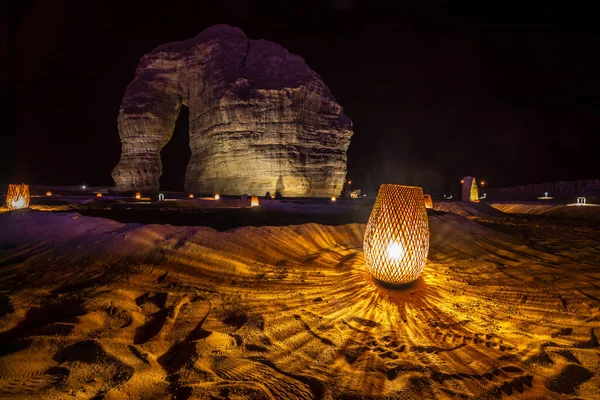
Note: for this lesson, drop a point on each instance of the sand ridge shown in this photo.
(92, 308)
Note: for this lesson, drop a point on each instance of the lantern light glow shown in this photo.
(48, 193)
(333, 199)
(17, 197)
(217, 197)
(428, 201)
(254, 202)
(138, 195)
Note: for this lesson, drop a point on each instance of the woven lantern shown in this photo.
(428, 202)
(217, 197)
(48, 193)
(254, 202)
(396, 239)
(333, 199)
(17, 197)
(138, 195)
(191, 196)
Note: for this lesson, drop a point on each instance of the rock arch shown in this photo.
(260, 119)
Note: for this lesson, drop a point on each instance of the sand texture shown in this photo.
(91, 308)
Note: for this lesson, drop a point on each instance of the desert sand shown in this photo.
(92, 308)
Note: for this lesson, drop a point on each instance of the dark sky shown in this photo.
(508, 93)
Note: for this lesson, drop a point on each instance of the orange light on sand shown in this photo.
(396, 239)
(428, 201)
(138, 195)
(217, 197)
(191, 195)
(333, 199)
(98, 194)
(17, 197)
(254, 202)
(48, 193)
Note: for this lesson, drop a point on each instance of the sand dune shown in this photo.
(93, 308)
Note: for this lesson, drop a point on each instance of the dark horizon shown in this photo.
(509, 95)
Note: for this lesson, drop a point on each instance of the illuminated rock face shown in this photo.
(260, 119)
(469, 189)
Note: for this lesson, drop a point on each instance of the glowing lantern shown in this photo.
(396, 239)
(48, 193)
(272, 196)
(254, 202)
(138, 195)
(17, 197)
(217, 197)
(333, 199)
(469, 189)
(191, 196)
(98, 194)
(428, 202)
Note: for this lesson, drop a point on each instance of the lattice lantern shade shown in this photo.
(17, 197)
(428, 201)
(396, 239)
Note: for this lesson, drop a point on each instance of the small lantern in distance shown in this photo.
(396, 239)
(254, 202)
(333, 199)
(138, 195)
(17, 197)
(191, 195)
(48, 193)
(98, 194)
(217, 197)
(428, 201)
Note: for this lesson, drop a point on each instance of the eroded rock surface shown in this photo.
(260, 119)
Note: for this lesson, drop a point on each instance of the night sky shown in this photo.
(509, 94)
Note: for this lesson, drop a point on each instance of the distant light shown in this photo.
(545, 194)
(48, 193)
(482, 183)
(217, 197)
(581, 200)
(254, 202)
(349, 182)
(462, 181)
(161, 197)
(191, 196)
(333, 199)
(138, 195)
(83, 187)
(99, 194)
